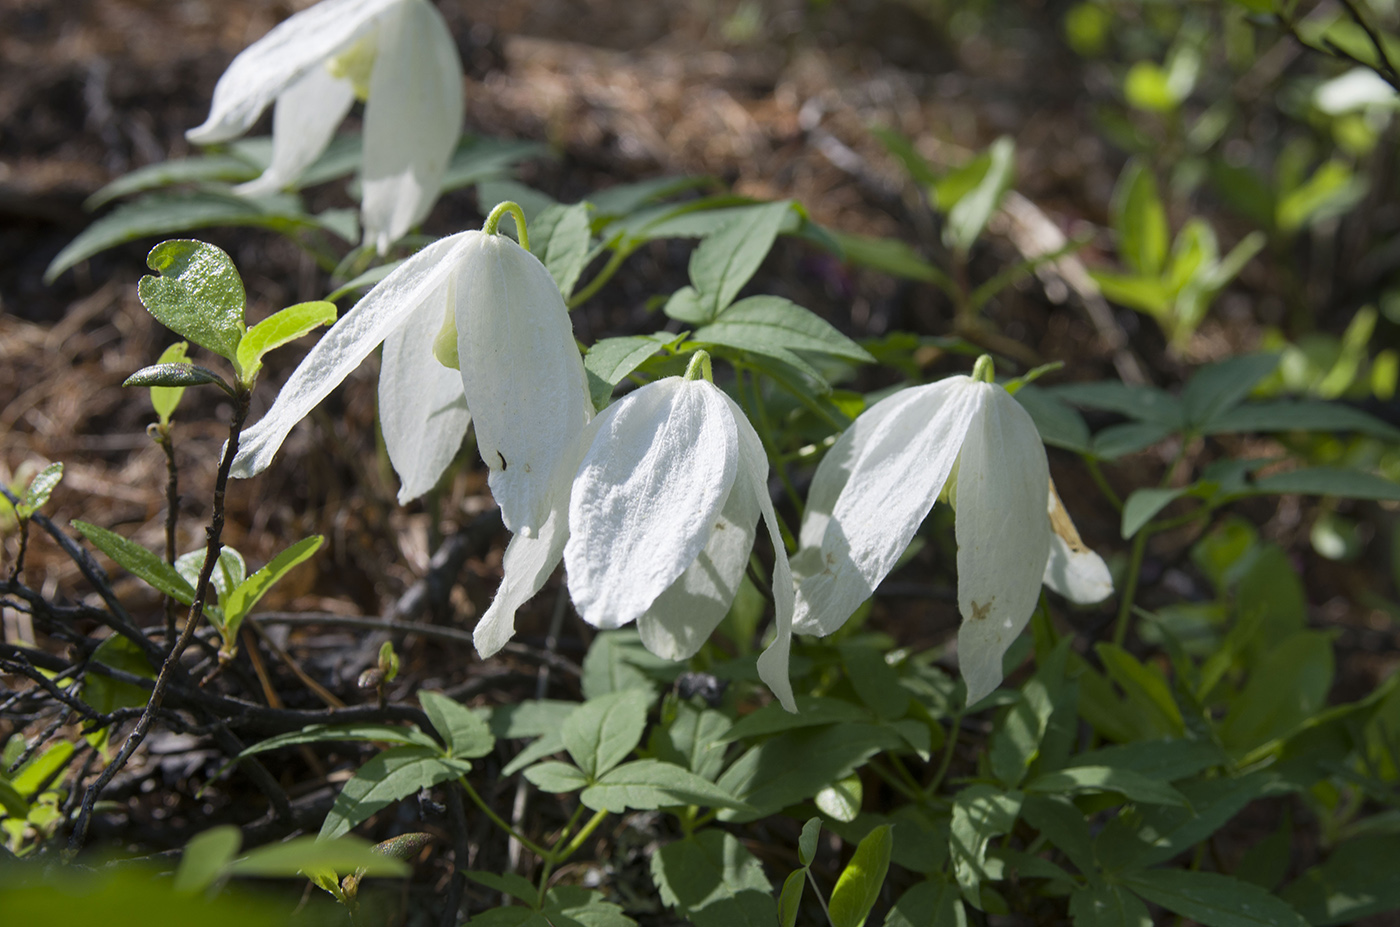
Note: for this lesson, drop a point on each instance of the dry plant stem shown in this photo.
(201, 591)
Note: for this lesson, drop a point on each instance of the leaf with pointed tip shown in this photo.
(247, 593)
(198, 294)
(164, 399)
(174, 376)
(138, 561)
(39, 490)
(279, 328)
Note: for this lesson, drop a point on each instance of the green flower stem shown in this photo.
(699, 367)
(954, 729)
(499, 213)
(500, 822)
(604, 275)
(1101, 481)
(560, 856)
(1130, 583)
(984, 371)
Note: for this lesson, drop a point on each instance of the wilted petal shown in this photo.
(303, 122)
(412, 120)
(753, 471)
(646, 497)
(1003, 534)
(422, 411)
(521, 371)
(1073, 570)
(870, 494)
(279, 59)
(386, 307)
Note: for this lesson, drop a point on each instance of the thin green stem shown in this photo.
(895, 782)
(954, 729)
(598, 282)
(1130, 583)
(1101, 481)
(560, 856)
(499, 213)
(501, 822)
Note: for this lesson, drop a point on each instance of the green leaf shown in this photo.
(935, 903)
(1148, 87)
(812, 711)
(1085, 779)
(547, 745)
(1262, 712)
(164, 399)
(1143, 403)
(980, 812)
(1058, 424)
(891, 256)
(858, 887)
(1140, 220)
(841, 800)
(138, 561)
(1212, 899)
(650, 784)
(206, 857)
(1016, 740)
(1215, 389)
(289, 858)
(793, 766)
(875, 681)
(40, 770)
(464, 731)
(363, 281)
(1136, 291)
(340, 733)
(388, 777)
(1064, 825)
(37, 493)
(174, 378)
(198, 294)
(807, 842)
(900, 145)
(725, 260)
(482, 158)
(1330, 481)
(775, 327)
(1146, 688)
(279, 328)
(247, 593)
(507, 883)
(1144, 505)
(563, 242)
(229, 571)
(969, 214)
(556, 777)
(12, 802)
(529, 718)
(1165, 760)
(213, 168)
(617, 660)
(104, 694)
(1299, 415)
(1099, 904)
(604, 730)
(1358, 879)
(1128, 438)
(625, 199)
(711, 880)
(1330, 191)
(692, 739)
(790, 898)
(609, 360)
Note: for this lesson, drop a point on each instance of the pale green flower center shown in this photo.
(355, 64)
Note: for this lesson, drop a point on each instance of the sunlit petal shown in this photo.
(348, 342)
(422, 411)
(303, 121)
(412, 120)
(870, 494)
(521, 372)
(1073, 570)
(1003, 534)
(647, 495)
(279, 59)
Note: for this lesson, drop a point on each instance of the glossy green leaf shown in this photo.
(711, 880)
(12, 802)
(229, 571)
(174, 378)
(388, 777)
(138, 561)
(198, 295)
(247, 593)
(1331, 190)
(858, 887)
(646, 785)
(1136, 291)
(604, 730)
(206, 858)
(37, 493)
(693, 739)
(164, 399)
(465, 731)
(1212, 899)
(278, 329)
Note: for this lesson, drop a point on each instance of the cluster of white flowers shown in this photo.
(652, 505)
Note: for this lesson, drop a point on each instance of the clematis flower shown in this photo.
(488, 301)
(967, 437)
(397, 56)
(654, 517)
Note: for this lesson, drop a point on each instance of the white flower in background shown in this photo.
(655, 518)
(521, 376)
(397, 56)
(883, 475)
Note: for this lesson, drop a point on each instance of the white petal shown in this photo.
(528, 563)
(412, 121)
(422, 411)
(386, 307)
(521, 371)
(870, 494)
(303, 122)
(646, 497)
(1073, 570)
(753, 469)
(1003, 534)
(684, 616)
(279, 59)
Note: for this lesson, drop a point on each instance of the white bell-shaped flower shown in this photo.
(655, 524)
(397, 56)
(883, 475)
(521, 376)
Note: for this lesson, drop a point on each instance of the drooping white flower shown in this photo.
(397, 56)
(655, 522)
(883, 475)
(521, 376)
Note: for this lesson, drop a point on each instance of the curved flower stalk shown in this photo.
(397, 56)
(654, 517)
(521, 376)
(967, 437)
